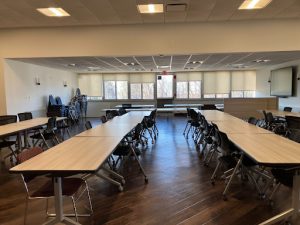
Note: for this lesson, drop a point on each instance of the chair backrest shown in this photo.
(287, 109)
(7, 119)
(126, 106)
(208, 107)
(25, 116)
(52, 100)
(252, 120)
(88, 125)
(194, 115)
(58, 100)
(216, 134)
(51, 124)
(103, 119)
(294, 134)
(269, 118)
(122, 111)
(292, 122)
(25, 155)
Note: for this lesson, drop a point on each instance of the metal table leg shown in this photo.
(294, 211)
(60, 218)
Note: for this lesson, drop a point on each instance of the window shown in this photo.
(243, 84)
(182, 89)
(148, 90)
(122, 90)
(194, 89)
(91, 85)
(216, 84)
(136, 91)
(110, 89)
(165, 86)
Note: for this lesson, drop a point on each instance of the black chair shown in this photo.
(149, 125)
(73, 187)
(252, 120)
(122, 111)
(188, 122)
(88, 125)
(126, 106)
(208, 107)
(25, 116)
(110, 114)
(49, 133)
(5, 142)
(103, 119)
(287, 109)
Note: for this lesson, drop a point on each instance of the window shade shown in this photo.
(91, 84)
(216, 82)
(243, 81)
(142, 78)
(189, 76)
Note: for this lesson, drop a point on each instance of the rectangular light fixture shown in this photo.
(254, 4)
(151, 8)
(57, 12)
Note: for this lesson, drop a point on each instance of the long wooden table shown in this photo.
(283, 113)
(265, 148)
(84, 153)
(136, 106)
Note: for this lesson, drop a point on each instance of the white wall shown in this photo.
(263, 87)
(22, 94)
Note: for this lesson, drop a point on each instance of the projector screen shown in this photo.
(282, 82)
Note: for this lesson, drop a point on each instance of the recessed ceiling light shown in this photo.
(261, 60)
(195, 62)
(254, 4)
(163, 67)
(151, 8)
(72, 65)
(57, 12)
(131, 64)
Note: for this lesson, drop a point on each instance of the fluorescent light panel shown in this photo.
(151, 8)
(56, 12)
(254, 4)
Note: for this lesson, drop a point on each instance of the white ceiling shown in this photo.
(22, 13)
(211, 62)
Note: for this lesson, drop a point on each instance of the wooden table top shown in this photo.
(283, 113)
(238, 126)
(108, 130)
(268, 148)
(79, 154)
(216, 115)
(25, 125)
(136, 106)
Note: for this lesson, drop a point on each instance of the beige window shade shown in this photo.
(222, 82)
(243, 81)
(195, 76)
(189, 76)
(91, 84)
(209, 82)
(142, 78)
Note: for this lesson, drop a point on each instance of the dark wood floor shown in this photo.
(178, 192)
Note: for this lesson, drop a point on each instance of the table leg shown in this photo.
(294, 211)
(60, 218)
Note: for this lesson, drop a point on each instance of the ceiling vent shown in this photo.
(180, 7)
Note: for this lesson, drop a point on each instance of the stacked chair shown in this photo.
(56, 108)
(188, 121)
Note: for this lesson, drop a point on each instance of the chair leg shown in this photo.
(25, 213)
(89, 197)
(232, 176)
(75, 209)
(213, 177)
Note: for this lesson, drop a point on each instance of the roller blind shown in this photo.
(142, 78)
(209, 83)
(91, 84)
(189, 76)
(243, 81)
(216, 82)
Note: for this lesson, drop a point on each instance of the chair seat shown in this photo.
(70, 187)
(228, 160)
(124, 150)
(5, 144)
(283, 176)
(47, 136)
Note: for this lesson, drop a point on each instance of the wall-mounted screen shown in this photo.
(282, 82)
